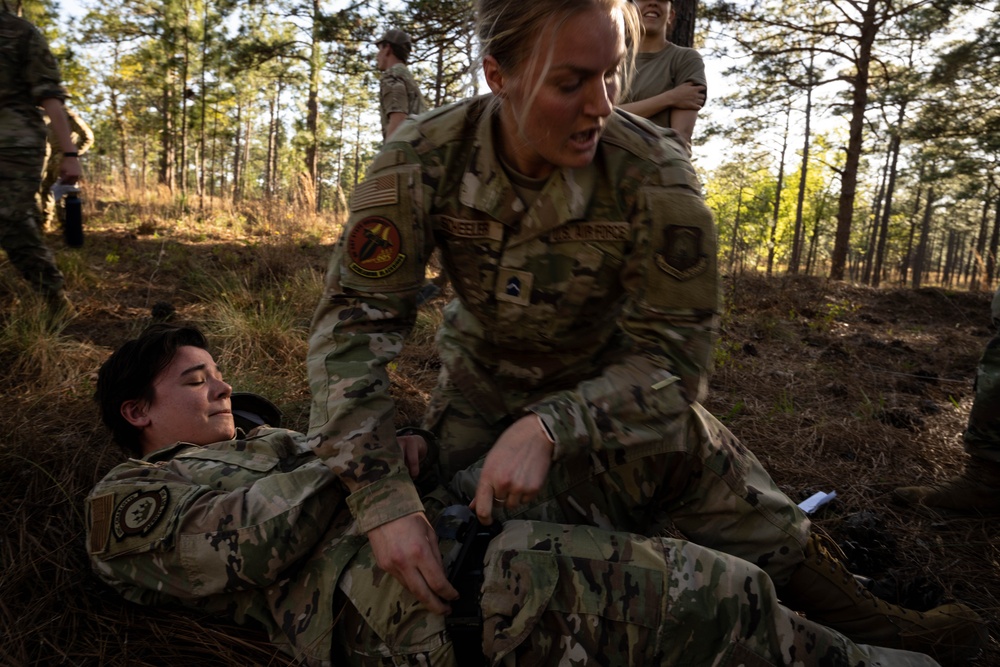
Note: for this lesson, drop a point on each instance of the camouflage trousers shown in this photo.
(578, 595)
(982, 435)
(20, 173)
(696, 475)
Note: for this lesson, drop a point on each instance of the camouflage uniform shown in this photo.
(982, 435)
(28, 75)
(83, 139)
(399, 93)
(593, 309)
(220, 528)
(256, 528)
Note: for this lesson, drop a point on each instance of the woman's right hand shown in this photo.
(407, 548)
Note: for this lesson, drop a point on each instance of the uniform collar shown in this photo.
(170, 451)
(166, 453)
(485, 187)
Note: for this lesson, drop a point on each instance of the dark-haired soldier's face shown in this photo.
(191, 403)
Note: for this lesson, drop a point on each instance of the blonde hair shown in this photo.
(511, 31)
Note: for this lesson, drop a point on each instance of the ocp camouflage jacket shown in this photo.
(252, 528)
(586, 308)
(28, 75)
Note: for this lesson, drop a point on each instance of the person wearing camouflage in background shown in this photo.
(399, 94)
(977, 489)
(83, 138)
(255, 526)
(574, 356)
(29, 79)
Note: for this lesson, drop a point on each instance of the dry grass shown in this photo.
(845, 388)
(834, 387)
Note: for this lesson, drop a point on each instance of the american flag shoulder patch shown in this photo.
(378, 191)
(101, 509)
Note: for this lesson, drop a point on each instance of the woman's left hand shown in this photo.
(515, 469)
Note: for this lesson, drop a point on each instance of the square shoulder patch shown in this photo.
(682, 254)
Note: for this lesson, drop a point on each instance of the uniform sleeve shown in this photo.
(392, 90)
(42, 73)
(670, 318)
(85, 136)
(154, 529)
(691, 67)
(367, 309)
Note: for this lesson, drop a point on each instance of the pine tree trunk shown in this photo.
(883, 236)
(849, 177)
(976, 284)
(991, 257)
(920, 261)
(772, 244)
(797, 236)
(685, 12)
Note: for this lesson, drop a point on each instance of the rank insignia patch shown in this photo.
(514, 286)
(139, 512)
(682, 255)
(374, 248)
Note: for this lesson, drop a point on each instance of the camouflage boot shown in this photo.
(827, 593)
(975, 491)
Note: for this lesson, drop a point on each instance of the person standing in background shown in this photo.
(29, 79)
(669, 87)
(399, 95)
(83, 138)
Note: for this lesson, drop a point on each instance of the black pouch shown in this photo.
(464, 564)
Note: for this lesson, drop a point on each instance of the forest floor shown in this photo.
(835, 387)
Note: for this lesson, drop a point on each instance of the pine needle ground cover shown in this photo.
(833, 386)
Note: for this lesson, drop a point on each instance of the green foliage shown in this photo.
(870, 407)
(831, 312)
(941, 101)
(723, 354)
(737, 409)
(785, 403)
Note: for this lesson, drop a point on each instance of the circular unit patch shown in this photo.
(374, 248)
(138, 512)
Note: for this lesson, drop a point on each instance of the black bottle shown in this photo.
(73, 224)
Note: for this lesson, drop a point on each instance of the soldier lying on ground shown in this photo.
(577, 351)
(255, 526)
